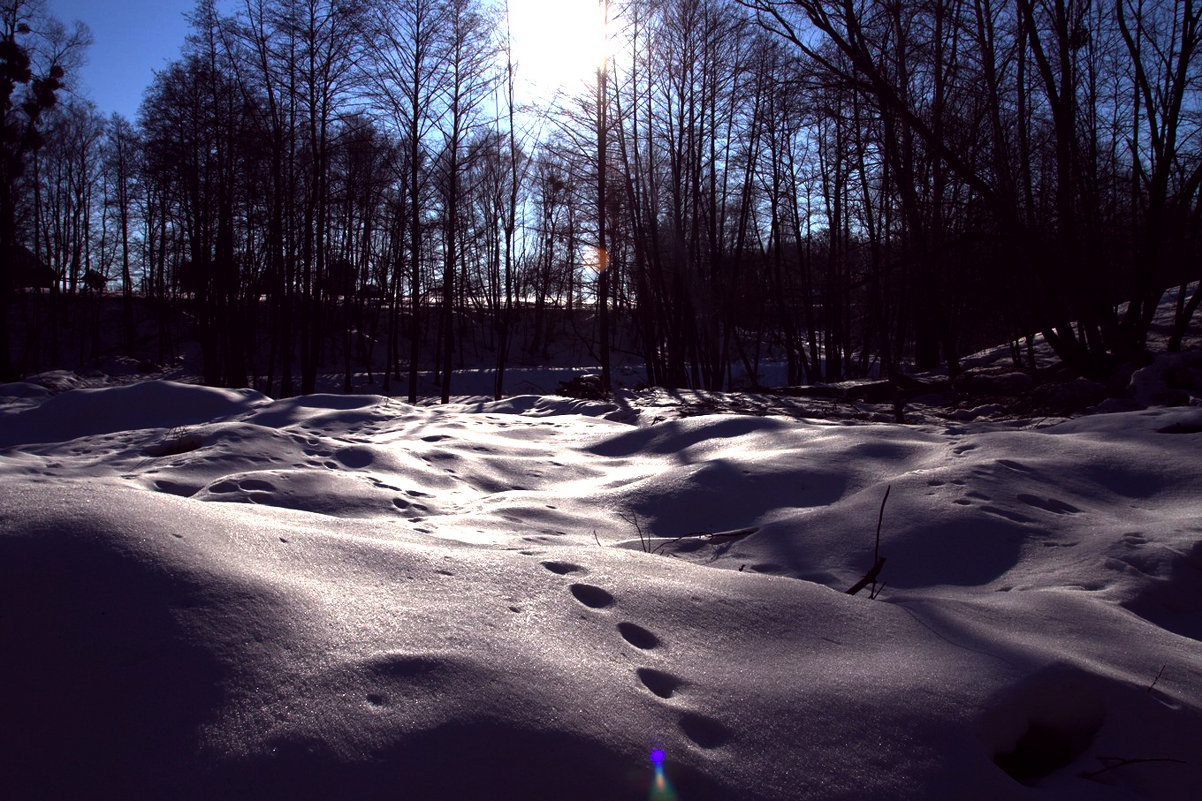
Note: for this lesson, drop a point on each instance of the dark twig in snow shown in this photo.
(644, 539)
(869, 578)
(1119, 762)
(880, 518)
(706, 535)
(1158, 675)
(877, 560)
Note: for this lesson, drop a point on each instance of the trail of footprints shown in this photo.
(1049, 505)
(702, 730)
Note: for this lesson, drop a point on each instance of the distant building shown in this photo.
(27, 270)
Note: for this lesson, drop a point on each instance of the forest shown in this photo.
(864, 187)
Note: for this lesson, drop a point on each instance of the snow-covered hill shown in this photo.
(209, 594)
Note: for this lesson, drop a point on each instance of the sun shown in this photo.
(558, 44)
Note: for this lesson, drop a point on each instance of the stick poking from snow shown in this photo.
(878, 561)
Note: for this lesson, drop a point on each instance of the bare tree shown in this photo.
(408, 85)
(122, 149)
(35, 53)
(468, 54)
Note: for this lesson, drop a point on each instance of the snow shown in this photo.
(209, 593)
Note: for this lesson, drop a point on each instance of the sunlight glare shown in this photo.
(595, 259)
(558, 44)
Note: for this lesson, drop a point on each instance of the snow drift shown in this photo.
(207, 593)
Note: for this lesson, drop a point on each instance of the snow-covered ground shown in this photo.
(210, 594)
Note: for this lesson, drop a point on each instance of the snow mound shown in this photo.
(347, 597)
(152, 404)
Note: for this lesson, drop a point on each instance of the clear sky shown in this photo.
(132, 38)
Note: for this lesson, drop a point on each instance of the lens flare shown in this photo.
(661, 788)
(596, 259)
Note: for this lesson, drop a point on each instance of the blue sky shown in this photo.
(554, 42)
(131, 38)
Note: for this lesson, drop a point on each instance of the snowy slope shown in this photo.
(207, 593)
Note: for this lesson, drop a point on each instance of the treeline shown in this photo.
(348, 185)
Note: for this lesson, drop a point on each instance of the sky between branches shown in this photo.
(133, 38)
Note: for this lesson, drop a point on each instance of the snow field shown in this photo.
(209, 593)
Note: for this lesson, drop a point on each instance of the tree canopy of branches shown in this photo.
(846, 187)
(1059, 133)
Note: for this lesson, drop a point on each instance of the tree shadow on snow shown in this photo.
(468, 759)
(101, 690)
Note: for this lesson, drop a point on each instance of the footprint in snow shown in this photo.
(175, 487)
(592, 596)
(705, 731)
(970, 496)
(1006, 513)
(660, 682)
(401, 665)
(1052, 505)
(638, 636)
(251, 484)
(562, 568)
(355, 457)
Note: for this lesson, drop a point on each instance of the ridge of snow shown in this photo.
(209, 593)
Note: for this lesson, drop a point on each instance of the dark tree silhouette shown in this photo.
(338, 187)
